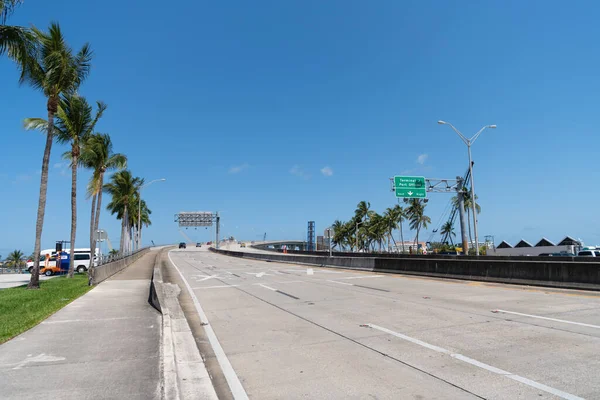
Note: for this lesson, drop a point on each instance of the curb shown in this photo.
(183, 374)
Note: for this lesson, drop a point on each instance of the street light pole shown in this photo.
(138, 233)
(469, 142)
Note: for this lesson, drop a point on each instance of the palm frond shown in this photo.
(7, 7)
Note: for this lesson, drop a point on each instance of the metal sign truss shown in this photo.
(196, 218)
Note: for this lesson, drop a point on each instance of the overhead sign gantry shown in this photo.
(200, 218)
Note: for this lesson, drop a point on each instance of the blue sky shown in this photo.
(279, 112)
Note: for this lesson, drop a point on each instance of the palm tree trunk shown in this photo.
(469, 223)
(98, 209)
(34, 282)
(417, 238)
(123, 231)
(92, 230)
(402, 236)
(73, 212)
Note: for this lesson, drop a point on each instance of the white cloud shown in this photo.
(422, 158)
(299, 172)
(58, 165)
(326, 171)
(238, 168)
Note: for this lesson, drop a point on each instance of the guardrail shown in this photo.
(324, 253)
(547, 271)
(109, 266)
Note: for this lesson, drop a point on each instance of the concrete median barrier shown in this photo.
(569, 273)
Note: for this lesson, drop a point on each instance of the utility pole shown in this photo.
(218, 220)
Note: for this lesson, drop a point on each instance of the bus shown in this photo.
(81, 257)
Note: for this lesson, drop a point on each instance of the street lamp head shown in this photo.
(492, 126)
(442, 122)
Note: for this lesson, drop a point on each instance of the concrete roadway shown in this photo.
(293, 332)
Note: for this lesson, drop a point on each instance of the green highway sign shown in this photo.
(410, 187)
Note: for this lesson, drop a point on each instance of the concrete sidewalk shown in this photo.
(104, 345)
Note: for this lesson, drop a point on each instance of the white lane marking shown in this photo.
(267, 287)
(237, 390)
(549, 319)
(259, 274)
(309, 271)
(363, 277)
(341, 283)
(215, 287)
(479, 364)
(207, 278)
(41, 358)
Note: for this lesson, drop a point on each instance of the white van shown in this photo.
(81, 257)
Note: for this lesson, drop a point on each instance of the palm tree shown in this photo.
(17, 42)
(468, 208)
(448, 230)
(417, 217)
(400, 215)
(361, 212)
(339, 236)
(144, 217)
(97, 154)
(122, 188)
(395, 217)
(376, 230)
(74, 125)
(54, 69)
(16, 258)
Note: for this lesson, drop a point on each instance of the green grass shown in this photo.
(22, 309)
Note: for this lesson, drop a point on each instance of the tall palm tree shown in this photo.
(54, 69)
(395, 216)
(122, 188)
(339, 236)
(97, 155)
(16, 258)
(400, 215)
(448, 230)
(75, 123)
(144, 216)
(417, 217)
(468, 208)
(17, 42)
(376, 230)
(361, 212)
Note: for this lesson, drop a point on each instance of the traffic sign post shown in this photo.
(410, 187)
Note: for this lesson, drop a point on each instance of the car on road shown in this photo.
(208, 243)
(182, 245)
(242, 244)
(589, 253)
(198, 244)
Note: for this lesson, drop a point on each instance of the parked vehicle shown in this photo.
(198, 244)
(81, 257)
(589, 253)
(242, 244)
(182, 245)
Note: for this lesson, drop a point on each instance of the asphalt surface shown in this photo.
(104, 345)
(294, 332)
(13, 280)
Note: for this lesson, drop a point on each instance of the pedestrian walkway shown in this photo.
(104, 345)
